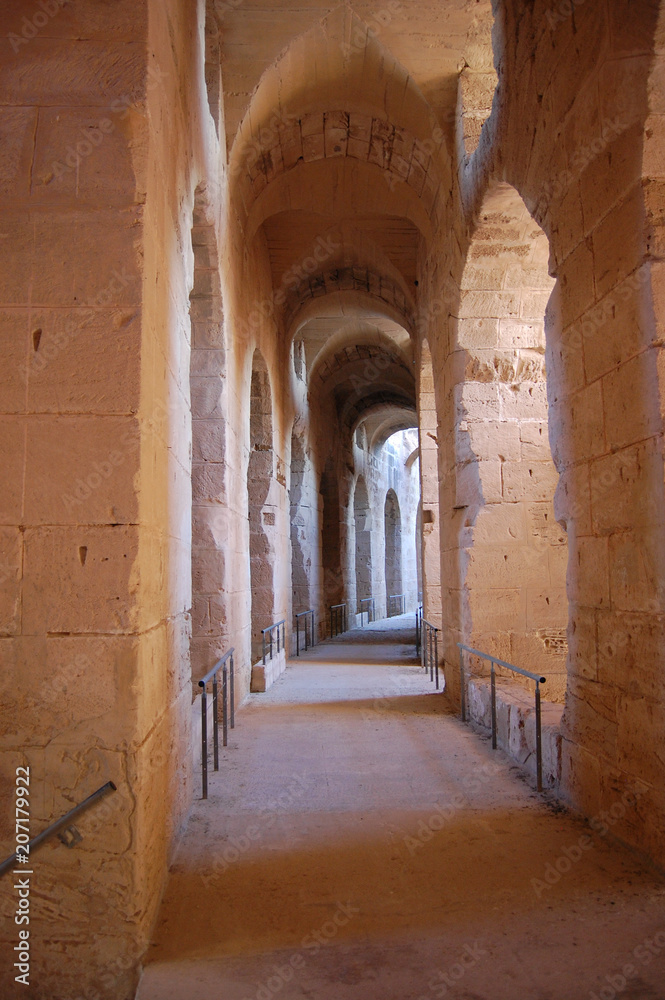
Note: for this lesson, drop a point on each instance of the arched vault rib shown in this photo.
(332, 135)
(302, 245)
(382, 421)
(328, 336)
(365, 377)
(346, 187)
(348, 305)
(325, 61)
(360, 280)
(379, 46)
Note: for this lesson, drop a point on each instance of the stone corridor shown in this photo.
(361, 843)
(307, 308)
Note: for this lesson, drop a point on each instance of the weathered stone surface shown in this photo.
(203, 368)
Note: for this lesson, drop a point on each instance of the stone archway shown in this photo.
(362, 519)
(513, 551)
(393, 546)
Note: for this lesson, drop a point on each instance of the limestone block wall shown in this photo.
(137, 290)
(96, 626)
(513, 554)
(575, 129)
(258, 432)
(429, 486)
(207, 378)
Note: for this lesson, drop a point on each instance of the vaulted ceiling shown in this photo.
(433, 40)
(340, 126)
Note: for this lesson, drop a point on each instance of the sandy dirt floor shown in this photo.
(361, 843)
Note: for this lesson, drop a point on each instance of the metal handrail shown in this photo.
(228, 686)
(370, 611)
(60, 824)
(280, 635)
(306, 615)
(338, 620)
(419, 627)
(402, 603)
(538, 678)
(429, 650)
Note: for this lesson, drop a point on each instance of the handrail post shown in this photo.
(232, 691)
(215, 724)
(538, 680)
(204, 743)
(298, 635)
(227, 666)
(225, 708)
(493, 686)
(263, 636)
(436, 657)
(539, 745)
(431, 660)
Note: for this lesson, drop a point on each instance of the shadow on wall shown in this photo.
(261, 515)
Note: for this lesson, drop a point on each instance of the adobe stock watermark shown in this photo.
(240, 844)
(582, 157)
(43, 12)
(46, 351)
(399, 174)
(93, 136)
(427, 829)
(262, 143)
(562, 11)
(397, 688)
(442, 983)
(573, 853)
(595, 318)
(643, 953)
(311, 945)
(104, 468)
(376, 22)
(321, 250)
